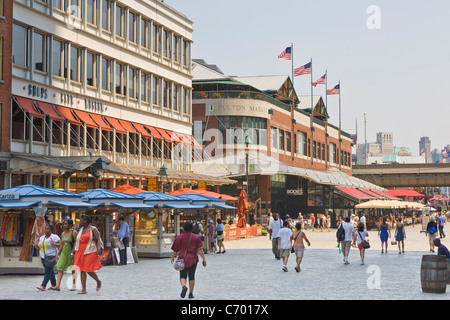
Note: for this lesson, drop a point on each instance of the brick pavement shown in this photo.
(249, 271)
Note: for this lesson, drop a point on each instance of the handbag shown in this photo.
(49, 262)
(292, 249)
(179, 264)
(365, 243)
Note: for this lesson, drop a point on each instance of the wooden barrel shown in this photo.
(448, 273)
(433, 274)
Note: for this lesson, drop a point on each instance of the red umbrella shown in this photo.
(242, 209)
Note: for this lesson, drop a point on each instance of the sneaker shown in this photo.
(41, 288)
(346, 262)
(284, 269)
(297, 269)
(183, 292)
(362, 263)
(191, 296)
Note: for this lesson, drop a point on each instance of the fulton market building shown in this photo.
(281, 149)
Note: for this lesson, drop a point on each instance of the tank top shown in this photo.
(298, 243)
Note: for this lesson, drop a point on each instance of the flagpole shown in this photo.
(293, 101)
(326, 120)
(311, 115)
(340, 137)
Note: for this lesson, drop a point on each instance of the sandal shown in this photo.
(41, 288)
(54, 288)
(82, 292)
(99, 286)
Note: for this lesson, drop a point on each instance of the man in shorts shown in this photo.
(284, 244)
(347, 242)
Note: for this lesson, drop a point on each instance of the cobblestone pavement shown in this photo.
(249, 271)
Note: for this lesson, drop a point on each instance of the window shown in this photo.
(274, 138)
(332, 153)
(107, 74)
(164, 42)
(132, 27)
(281, 139)
(1, 8)
(155, 38)
(155, 90)
(119, 21)
(107, 15)
(39, 52)
(288, 141)
(132, 83)
(57, 54)
(144, 33)
(170, 43)
(91, 70)
(20, 45)
(77, 8)
(91, 11)
(58, 4)
(186, 53)
(1, 61)
(183, 99)
(120, 81)
(165, 89)
(75, 63)
(301, 143)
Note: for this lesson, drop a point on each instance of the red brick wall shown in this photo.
(5, 85)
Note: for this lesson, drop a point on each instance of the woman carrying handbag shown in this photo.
(297, 244)
(359, 236)
(186, 245)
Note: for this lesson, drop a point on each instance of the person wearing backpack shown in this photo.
(431, 232)
(198, 229)
(348, 229)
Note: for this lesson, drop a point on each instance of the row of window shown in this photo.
(131, 25)
(67, 60)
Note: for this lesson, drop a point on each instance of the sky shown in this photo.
(392, 60)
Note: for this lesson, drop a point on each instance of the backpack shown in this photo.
(196, 228)
(340, 233)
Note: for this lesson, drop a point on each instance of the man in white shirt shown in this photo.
(347, 242)
(284, 243)
(274, 229)
(363, 220)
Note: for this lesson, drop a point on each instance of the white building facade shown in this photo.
(100, 78)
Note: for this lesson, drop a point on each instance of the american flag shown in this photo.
(286, 54)
(306, 69)
(335, 90)
(322, 80)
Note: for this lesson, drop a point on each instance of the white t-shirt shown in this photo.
(363, 219)
(285, 238)
(363, 235)
(275, 226)
(348, 228)
(46, 247)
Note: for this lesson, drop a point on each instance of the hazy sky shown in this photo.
(397, 75)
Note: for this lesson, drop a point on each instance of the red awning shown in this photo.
(116, 125)
(66, 113)
(84, 117)
(355, 193)
(373, 193)
(185, 139)
(127, 125)
(174, 136)
(27, 105)
(47, 108)
(139, 127)
(155, 133)
(196, 145)
(165, 135)
(99, 120)
(406, 193)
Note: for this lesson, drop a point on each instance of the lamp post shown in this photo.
(164, 174)
(100, 166)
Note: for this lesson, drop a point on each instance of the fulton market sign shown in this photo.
(245, 107)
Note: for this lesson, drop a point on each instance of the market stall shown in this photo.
(111, 204)
(156, 229)
(24, 211)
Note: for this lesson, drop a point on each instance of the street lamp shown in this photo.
(100, 166)
(163, 172)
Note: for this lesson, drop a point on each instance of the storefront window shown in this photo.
(315, 195)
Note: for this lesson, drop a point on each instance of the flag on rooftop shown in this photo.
(321, 80)
(286, 54)
(306, 69)
(335, 90)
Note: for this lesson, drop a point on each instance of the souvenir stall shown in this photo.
(110, 205)
(156, 229)
(24, 211)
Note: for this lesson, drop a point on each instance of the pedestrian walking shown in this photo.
(313, 221)
(328, 223)
(384, 233)
(198, 228)
(359, 236)
(290, 221)
(400, 235)
(363, 220)
(186, 246)
(211, 230)
(48, 249)
(124, 235)
(284, 244)
(65, 255)
(298, 239)
(88, 246)
(441, 223)
(347, 242)
(274, 229)
(220, 236)
(431, 232)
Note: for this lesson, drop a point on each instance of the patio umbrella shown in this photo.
(126, 188)
(242, 209)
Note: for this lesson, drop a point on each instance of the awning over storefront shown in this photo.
(406, 193)
(80, 204)
(155, 133)
(140, 128)
(127, 126)
(18, 204)
(48, 109)
(133, 205)
(166, 136)
(67, 114)
(84, 117)
(99, 120)
(223, 206)
(119, 128)
(27, 105)
(355, 193)
(234, 165)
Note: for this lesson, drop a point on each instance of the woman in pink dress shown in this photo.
(88, 246)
